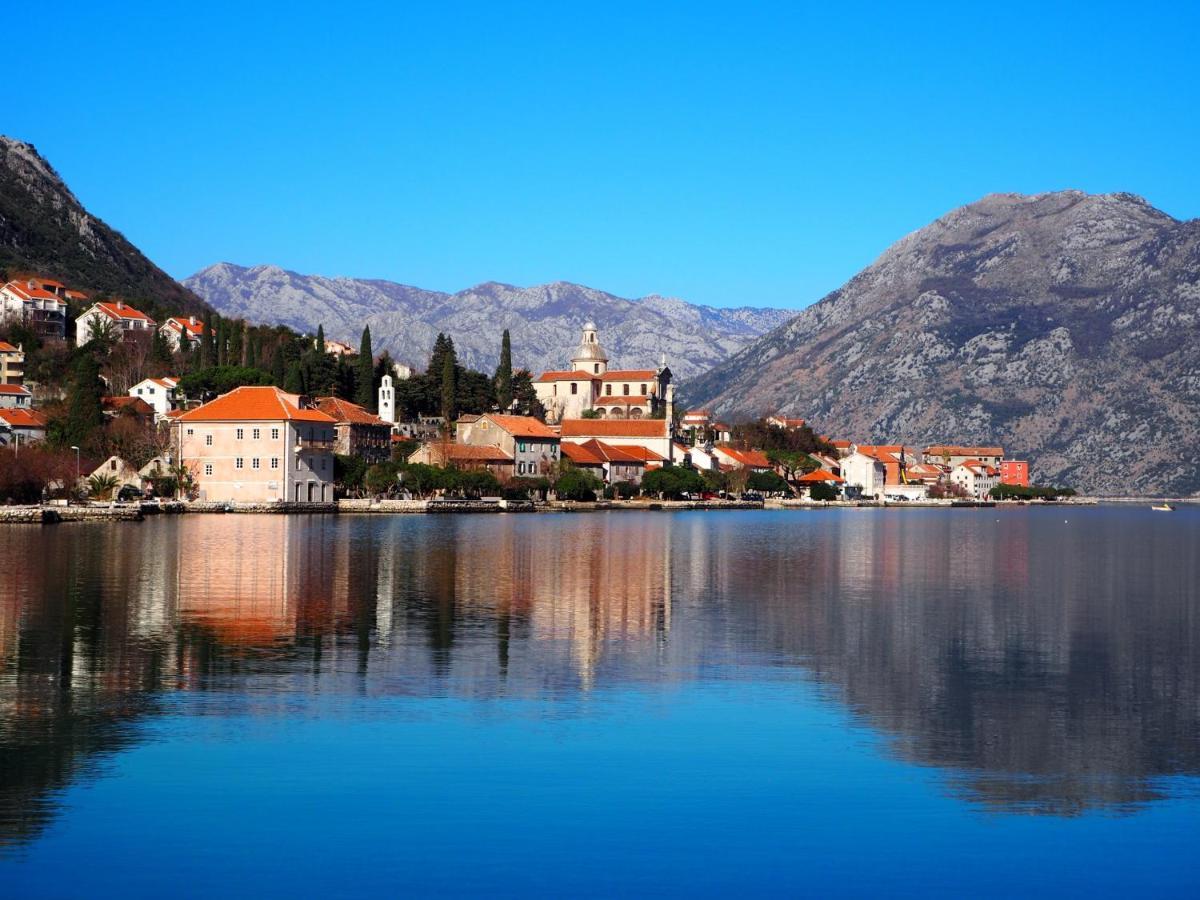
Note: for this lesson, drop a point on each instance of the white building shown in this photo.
(117, 316)
(387, 400)
(158, 392)
(977, 478)
(39, 303)
(21, 426)
(176, 330)
(15, 396)
(864, 474)
(589, 385)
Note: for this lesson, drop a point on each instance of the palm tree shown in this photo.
(101, 486)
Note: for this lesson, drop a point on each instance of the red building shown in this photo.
(1014, 471)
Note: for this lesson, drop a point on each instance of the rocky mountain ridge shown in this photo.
(544, 320)
(1065, 326)
(44, 229)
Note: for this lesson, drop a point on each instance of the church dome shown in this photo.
(590, 349)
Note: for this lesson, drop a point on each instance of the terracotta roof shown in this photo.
(564, 376)
(343, 411)
(841, 445)
(602, 428)
(820, 475)
(756, 459)
(617, 400)
(15, 390)
(124, 311)
(467, 453)
(77, 295)
(956, 450)
(522, 426)
(629, 375)
(25, 292)
(6, 347)
(626, 454)
(582, 454)
(137, 404)
(23, 418)
(182, 325)
(249, 404)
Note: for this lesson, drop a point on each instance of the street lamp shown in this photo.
(76, 449)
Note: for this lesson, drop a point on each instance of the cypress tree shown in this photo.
(278, 369)
(206, 343)
(504, 374)
(448, 385)
(293, 381)
(365, 393)
(320, 343)
(85, 415)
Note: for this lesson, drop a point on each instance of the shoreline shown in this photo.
(135, 512)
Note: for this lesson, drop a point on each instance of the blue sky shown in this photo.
(727, 153)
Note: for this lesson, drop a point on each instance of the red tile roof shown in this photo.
(25, 292)
(521, 426)
(23, 418)
(602, 428)
(6, 347)
(582, 454)
(617, 400)
(564, 376)
(627, 454)
(755, 459)
(629, 375)
(819, 475)
(15, 390)
(345, 412)
(251, 404)
(183, 325)
(467, 453)
(123, 311)
(136, 404)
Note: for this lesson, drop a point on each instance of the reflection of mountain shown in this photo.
(1049, 666)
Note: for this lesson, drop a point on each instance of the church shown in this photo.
(589, 386)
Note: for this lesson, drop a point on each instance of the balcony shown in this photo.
(314, 445)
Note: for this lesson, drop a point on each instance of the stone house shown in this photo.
(358, 432)
(533, 446)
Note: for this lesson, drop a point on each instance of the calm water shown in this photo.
(859, 702)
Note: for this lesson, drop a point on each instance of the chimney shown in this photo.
(192, 320)
(120, 304)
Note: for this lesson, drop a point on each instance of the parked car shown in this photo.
(128, 493)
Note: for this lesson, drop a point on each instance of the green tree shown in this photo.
(576, 484)
(824, 491)
(672, 482)
(101, 487)
(207, 343)
(504, 374)
(767, 483)
(365, 380)
(449, 381)
(161, 361)
(84, 413)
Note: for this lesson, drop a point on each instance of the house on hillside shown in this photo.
(159, 393)
(21, 426)
(176, 331)
(12, 364)
(112, 407)
(116, 317)
(954, 454)
(359, 432)
(39, 303)
(15, 396)
(590, 386)
(787, 424)
(257, 444)
(533, 446)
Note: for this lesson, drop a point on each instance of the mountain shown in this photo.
(1065, 326)
(544, 321)
(45, 230)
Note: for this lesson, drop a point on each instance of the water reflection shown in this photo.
(1047, 665)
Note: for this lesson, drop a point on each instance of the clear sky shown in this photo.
(725, 153)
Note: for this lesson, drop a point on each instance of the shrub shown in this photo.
(576, 484)
(672, 482)
(823, 490)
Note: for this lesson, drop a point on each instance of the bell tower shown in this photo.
(387, 400)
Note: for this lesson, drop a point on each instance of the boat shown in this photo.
(1163, 507)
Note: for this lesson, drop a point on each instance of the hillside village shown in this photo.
(100, 400)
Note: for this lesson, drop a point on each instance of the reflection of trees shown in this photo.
(1039, 683)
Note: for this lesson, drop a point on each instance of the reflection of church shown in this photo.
(589, 385)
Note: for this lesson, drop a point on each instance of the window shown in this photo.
(208, 468)
(256, 434)
(597, 368)
(608, 389)
(643, 390)
(274, 434)
(626, 390)
(208, 440)
(241, 433)
(112, 465)
(324, 463)
(521, 446)
(574, 388)
(520, 468)
(191, 432)
(254, 463)
(240, 463)
(275, 462)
